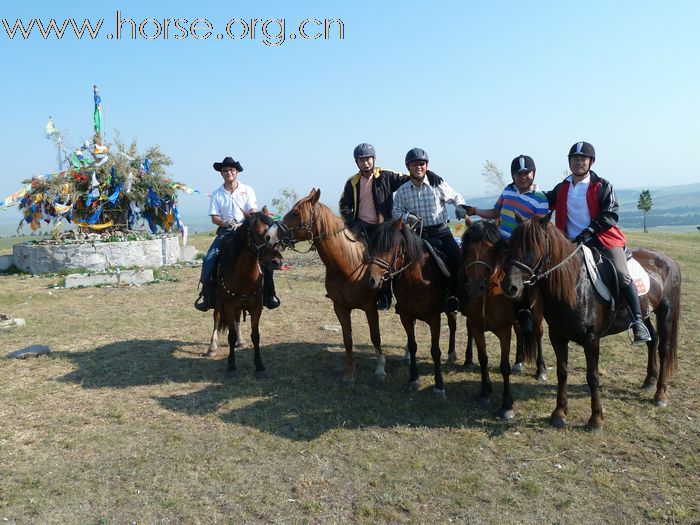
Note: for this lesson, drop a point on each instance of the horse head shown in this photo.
(259, 224)
(482, 251)
(386, 253)
(530, 253)
(297, 224)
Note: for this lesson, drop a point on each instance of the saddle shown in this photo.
(439, 258)
(602, 273)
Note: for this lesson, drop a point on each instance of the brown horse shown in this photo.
(484, 254)
(240, 281)
(397, 253)
(343, 254)
(543, 258)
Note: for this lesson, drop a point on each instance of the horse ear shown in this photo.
(467, 221)
(545, 220)
(315, 196)
(265, 210)
(519, 218)
(398, 224)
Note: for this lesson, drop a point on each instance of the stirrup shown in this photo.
(383, 303)
(271, 302)
(202, 303)
(451, 304)
(641, 337)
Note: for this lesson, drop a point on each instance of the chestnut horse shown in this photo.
(543, 258)
(484, 254)
(240, 281)
(345, 259)
(397, 253)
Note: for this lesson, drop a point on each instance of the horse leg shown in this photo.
(231, 370)
(592, 351)
(260, 371)
(484, 397)
(541, 372)
(406, 360)
(652, 363)
(506, 411)
(343, 315)
(373, 322)
(519, 353)
(213, 342)
(561, 350)
(435, 354)
(468, 352)
(409, 325)
(452, 324)
(664, 324)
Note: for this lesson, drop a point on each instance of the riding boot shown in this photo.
(639, 330)
(384, 296)
(207, 297)
(270, 300)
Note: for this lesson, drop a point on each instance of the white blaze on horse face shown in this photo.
(272, 236)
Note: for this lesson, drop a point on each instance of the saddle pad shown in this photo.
(636, 271)
(438, 259)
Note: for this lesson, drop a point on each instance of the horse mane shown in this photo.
(530, 236)
(484, 231)
(351, 249)
(232, 245)
(386, 236)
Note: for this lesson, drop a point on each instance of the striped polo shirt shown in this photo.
(533, 202)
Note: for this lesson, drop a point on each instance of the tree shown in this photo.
(493, 177)
(644, 204)
(285, 201)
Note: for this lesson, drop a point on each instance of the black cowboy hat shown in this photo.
(228, 162)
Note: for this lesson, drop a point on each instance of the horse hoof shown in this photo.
(484, 401)
(506, 414)
(451, 359)
(406, 361)
(541, 377)
(594, 430)
(471, 367)
(349, 380)
(231, 374)
(661, 403)
(209, 353)
(648, 387)
(517, 368)
(261, 374)
(414, 386)
(558, 422)
(440, 394)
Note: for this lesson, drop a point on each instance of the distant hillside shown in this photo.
(672, 205)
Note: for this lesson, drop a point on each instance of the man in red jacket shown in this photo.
(586, 211)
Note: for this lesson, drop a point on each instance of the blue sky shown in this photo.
(467, 81)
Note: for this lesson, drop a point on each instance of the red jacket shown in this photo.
(602, 207)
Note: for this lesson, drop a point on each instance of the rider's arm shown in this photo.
(346, 205)
(607, 217)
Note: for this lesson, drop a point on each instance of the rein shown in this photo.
(535, 277)
(390, 268)
(288, 239)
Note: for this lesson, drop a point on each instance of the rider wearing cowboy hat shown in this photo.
(226, 207)
(586, 211)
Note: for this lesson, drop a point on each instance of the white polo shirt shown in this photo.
(578, 218)
(231, 205)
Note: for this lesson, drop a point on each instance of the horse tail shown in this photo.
(671, 362)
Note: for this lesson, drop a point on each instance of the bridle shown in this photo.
(287, 238)
(390, 269)
(543, 261)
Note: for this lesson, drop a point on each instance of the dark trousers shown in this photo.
(212, 257)
(440, 237)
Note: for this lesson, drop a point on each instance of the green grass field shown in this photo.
(126, 422)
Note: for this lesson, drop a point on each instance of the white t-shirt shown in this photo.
(578, 218)
(231, 205)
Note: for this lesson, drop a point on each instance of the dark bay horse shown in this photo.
(484, 254)
(543, 258)
(419, 286)
(240, 281)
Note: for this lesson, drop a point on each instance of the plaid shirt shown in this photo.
(425, 201)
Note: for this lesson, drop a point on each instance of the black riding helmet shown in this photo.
(582, 149)
(416, 154)
(522, 164)
(364, 150)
